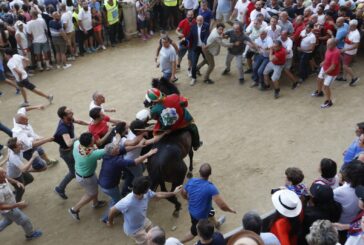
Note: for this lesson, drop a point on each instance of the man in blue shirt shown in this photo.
(200, 192)
(134, 209)
(354, 149)
(205, 12)
(341, 32)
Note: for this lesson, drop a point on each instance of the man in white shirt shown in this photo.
(11, 210)
(98, 99)
(68, 27)
(274, 30)
(157, 236)
(287, 43)
(240, 10)
(350, 49)
(308, 43)
(85, 24)
(261, 59)
(30, 141)
(37, 29)
(167, 60)
(190, 5)
(258, 10)
(16, 65)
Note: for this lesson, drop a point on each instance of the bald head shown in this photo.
(21, 119)
(98, 98)
(340, 21)
(331, 43)
(199, 20)
(156, 236)
(205, 170)
(62, 7)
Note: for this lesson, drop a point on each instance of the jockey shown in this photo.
(171, 114)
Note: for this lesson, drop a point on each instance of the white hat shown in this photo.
(287, 203)
(143, 115)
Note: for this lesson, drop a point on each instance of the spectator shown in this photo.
(85, 25)
(286, 222)
(246, 238)
(111, 13)
(200, 192)
(37, 28)
(183, 31)
(97, 28)
(157, 236)
(277, 60)
(68, 26)
(294, 178)
(206, 13)
(167, 60)
(207, 235)
(242, 11)
(222, 9)
(354, 149)
(354, 229)
(258, 10)
(350, 49)
(284, 23)
(253, 222)
(65, 137)
(330, 68)
(98, 99)
(352, 174)
(274, 30)
(299, 8)
(342, 29)
(59, 40)
(141, 9)
(86, 157)
(328, 169)
(322, 206)
(134, 209)
(10, 209)
(287, 44)
(322, 232)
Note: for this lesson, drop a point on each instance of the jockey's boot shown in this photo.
(196, 143)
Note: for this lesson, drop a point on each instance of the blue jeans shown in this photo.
(38, 162)
(115, 195)
(260, 62)
(167, 75)
(17, 216)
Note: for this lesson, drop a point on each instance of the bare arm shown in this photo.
(35, 107)
(222, 204)
(161, 195)
(184, 194)
(102, 140)
(112, 213)
(81, 122)
(4, 206)
(41, 141)
(141, 159)
(68, 140)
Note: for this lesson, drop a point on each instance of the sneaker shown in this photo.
(24, 104)
(66, 66)
(71, 58)
(241, 81)
(52, 162)
(354, 81)
(248, 71)
(48, 68)
(220, 221)
(327, 104)
(151, 33)
(40, 69)
(35, 234)
(193, 82)
(74, 214)
(103, 47)
(254, 84)
(340, 79)
(225, 72)
(99, 204)
(50, 99)
(17, 91)
(276, 93)
(174, 80)
(189, 72)
(317, 94)
(98, 47)
(208, 81)
(93, 50)
(60, 193)
(300, 80)
(294, 85)
(88, 51)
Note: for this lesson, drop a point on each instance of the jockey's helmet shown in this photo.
(153, 95)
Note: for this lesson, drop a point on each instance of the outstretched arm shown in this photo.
(222, 204)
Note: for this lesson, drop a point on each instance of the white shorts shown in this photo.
(288, 64)
(222, 16)
(277, 71)
(327, 78)
(89, 184)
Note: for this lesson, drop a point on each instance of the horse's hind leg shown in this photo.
(172, 199)
(190, 168)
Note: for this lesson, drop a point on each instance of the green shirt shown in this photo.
(86, 165)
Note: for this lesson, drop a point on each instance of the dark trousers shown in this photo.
(113, 30)
(304, 66)
(25, 178)
(80, 40)
(67, 157)
(196, 52)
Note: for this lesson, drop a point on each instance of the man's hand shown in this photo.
(20, 185)
(41, 107)
(152, 152)
(21, 204)
(178, 189)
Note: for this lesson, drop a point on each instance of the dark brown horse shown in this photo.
(167, 165)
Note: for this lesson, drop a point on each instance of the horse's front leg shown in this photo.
(190, 168)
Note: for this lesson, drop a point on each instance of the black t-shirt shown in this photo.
(62, 129)
(298, 11)
(217, 239)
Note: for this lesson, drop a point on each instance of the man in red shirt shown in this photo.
(277, 60)
(330, 68)
(99, 128)
(183, 31)
(298, 27)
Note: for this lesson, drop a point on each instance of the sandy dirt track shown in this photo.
(249, 138)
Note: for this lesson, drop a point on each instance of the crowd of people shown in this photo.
(271, 38)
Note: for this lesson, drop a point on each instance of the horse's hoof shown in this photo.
(189, 175)
(176, 213)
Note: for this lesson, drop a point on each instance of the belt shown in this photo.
(84, 177)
